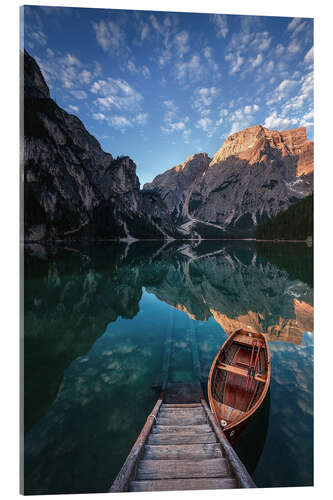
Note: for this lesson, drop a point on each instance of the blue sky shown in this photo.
(162, 86)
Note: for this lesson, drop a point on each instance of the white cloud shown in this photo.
(294, 47)
(222, 114)
(205, 124)
(79, 94)
(294, 23)
(243, 117)
(281, 91)
(68, 76)
(120, 122)
(221, 26)
(247, 46)
(172, 121)
(74, 108)
(144, 70)
(141, 118)
(296, 26)
(192, 69)
(39, 37)
(257, 61)
(279, 50)
(261, 41)
(144, 31)
(99, 116)
(116, 93)
(109, 35)
(235, 62)
(181, 43)
(308, 59)
(307, 120)
(251, 109)
(203, 97)
(85, 76)
(279, 122)
(207, 52)
(186, 135)
(159, 28)
(70, 60)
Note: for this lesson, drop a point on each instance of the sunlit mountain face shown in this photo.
(97, 320)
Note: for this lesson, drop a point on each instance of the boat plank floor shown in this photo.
(239, 390)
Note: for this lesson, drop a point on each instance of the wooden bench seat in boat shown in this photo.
(243, 339)
(243, 372)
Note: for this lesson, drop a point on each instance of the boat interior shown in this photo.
(239, 377)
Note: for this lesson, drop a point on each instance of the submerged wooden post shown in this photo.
(195, 353)
(167, 352)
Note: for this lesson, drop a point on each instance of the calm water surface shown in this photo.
(97, 319)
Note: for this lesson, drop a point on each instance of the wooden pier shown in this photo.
(181, 447)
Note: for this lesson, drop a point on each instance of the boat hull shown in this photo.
(239, 380)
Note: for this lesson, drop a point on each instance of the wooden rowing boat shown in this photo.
(239, 380)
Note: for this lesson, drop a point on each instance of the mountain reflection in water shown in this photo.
(89, 371)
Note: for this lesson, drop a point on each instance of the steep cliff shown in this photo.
(72, 188)
(254, 175)
(176, 184)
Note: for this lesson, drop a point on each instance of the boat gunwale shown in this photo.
(246, 415)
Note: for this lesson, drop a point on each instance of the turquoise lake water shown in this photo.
(95, 325)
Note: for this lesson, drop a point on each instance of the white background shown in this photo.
(9, 212)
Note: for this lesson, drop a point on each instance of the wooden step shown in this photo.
(212, 483)
(201, 429)
(182, 438)
(181, 420)
(181, 411)
(170, 407)
(182, 451)
(185, 405)
(175, 469)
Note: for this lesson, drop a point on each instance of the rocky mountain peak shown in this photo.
(35, 86)
(258, 144)
(239, 144)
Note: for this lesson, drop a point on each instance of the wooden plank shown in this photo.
(200, 429)
(244, 339)
(126, 473)
(197, 410)
(175, 469)
(181, 420)
(237, 467)
(178, 405)
(184, 484)
(182, 451)
(242, 372)
(181, 438)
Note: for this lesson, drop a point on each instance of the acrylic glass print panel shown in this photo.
(168, 211)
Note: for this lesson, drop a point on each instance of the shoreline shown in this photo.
(165, 241)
